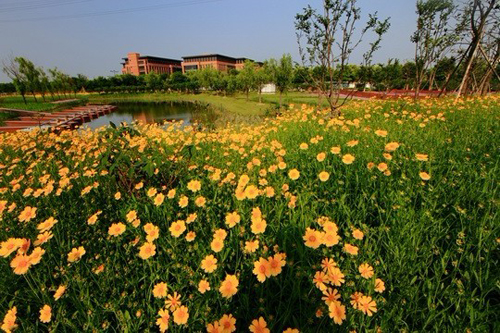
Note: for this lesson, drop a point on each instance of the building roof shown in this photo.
(209, 55)
(156, 58)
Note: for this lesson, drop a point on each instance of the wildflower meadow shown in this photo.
(384, 219)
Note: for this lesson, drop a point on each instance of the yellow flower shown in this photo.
(379, 285)
(366, 270)
(151, 192)
(118, 196)
(177, 228)
(294, 174)
(352, 143)
(422, 157)
(59, 292)
(251, 192)
(194, 185)
(381, 133)
(190, 236)
(45, 314)
(163, 321)
(200, 201)
(424, 175)
(171, 194)
(9, 321)
(147, 250)
(9, 246)
(36, 255)
(351, 249)
(348, 159)
(227, 323)
(181, 315)
(76, 254)
(320, 157)
(312, 238)
(337, 312)
(20, 264)
(47, 224)
(251, 246)
(367, 305)
(335, 150)
(203, 286)
(209, 263)
(139, 185)
(160, 290)
(391, 146)
(229, 287)
(324, 176)
(382, 167)
(330, 239)
(183, 201)
(116, 229)
(159, 199)
(27, 214)
(232, 219)
(217, 245)
(261, 269)
(258, 226)
(358, 234)
(259, 326)
(131, 216)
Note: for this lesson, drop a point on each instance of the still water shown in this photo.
(152, 112)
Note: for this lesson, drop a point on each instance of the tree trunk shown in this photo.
(24, 99)
(470, 60)
(260, 96)
(281, 95)
(33, 93)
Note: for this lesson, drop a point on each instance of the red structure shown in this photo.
(136, 64)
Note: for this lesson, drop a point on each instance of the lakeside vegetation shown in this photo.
(365, 222)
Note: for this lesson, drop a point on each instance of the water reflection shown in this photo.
(153, 112)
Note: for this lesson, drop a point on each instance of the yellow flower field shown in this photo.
(384, 219)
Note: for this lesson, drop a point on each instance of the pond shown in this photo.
(155, 112)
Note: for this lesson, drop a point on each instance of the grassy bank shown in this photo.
(385, 220)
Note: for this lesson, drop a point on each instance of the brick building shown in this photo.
(136, 64)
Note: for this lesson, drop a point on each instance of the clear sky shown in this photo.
(91, 36)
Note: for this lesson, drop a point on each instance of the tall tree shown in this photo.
(246, 77)
(31, 73)
(281, 74)
(483, 18)
(11, 68)
(327, 38)
(433, 37)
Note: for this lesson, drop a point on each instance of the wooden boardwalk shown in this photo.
(57, 121)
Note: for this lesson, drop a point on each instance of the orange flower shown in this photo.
(330, 239)
(276, 263)
(348, 159)
(335, 150)
(116, 229)
(294, 174)
(27, 214)
(352, 143)
(336, 277)
(262, 269)
(209, 264)
(291, 330)
(214, 328)
(217, 245)
(200, 201)
(163, 321)
(259, 326)
(181, 315)
(36, 255)
(45, 314)
(337, 312)
(312, 238)
(76, 254)
(351, 249)
(160, 290)
(320, 280)
(379, 285)
(424, 175)
(258, 226)
(367, 305)
(203, 286)
(9, 321)
(173, 301)
(190, 236)
(20, 264)
(355, 298)
(251, 246)
(229, 287)
(177, 228)
(366, 270)
(320, 157)
(251, 192)
(330, 295)
(381, 133)
(48, 224)
(183, 201)
(422, 157)
(59, 292)
(228, 323)
(147, 250)
(232, 219)
(358, 234)
(391, 146)
(9, 246)
(220, 234)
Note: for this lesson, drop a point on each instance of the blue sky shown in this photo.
(60, 33)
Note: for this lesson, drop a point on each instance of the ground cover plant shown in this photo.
(384, 219)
